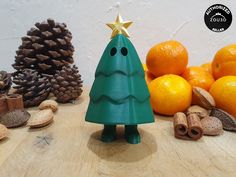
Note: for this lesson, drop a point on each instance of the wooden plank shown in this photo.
(70, 147)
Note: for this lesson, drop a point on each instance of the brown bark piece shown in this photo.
(195, 130)
(3, 104)
(15, 101)
(180, 124)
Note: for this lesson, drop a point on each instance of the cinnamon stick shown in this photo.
(180, 124)
(195, 130)
(3, 104)
(15, 101)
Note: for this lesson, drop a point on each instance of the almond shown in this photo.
(211, 126)
(228, 121)
(41, 118)
(15, 118)
(195, 109)
(203, 98)
(51, 104)
(3, 131)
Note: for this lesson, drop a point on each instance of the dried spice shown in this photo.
(180, 124)
(15, 101)
(188, 128)
(3, 104)
(228, 121)
(195, 130)
(15, 118)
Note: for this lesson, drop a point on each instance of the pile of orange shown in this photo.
(224, 62)
(170, 80)
(169, 57)
(198, 76)
(170, 94)
(207, 67)
(224, 93)
(148, 75)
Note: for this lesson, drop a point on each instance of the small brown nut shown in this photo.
(41, 118)
(212, 126)
(51, 104)
(3, 131)
(203, 98)
(15, 118)
(195, 109)
(228, 121)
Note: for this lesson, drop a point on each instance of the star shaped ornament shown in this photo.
(119, 26)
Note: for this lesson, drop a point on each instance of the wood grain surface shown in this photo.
(70, 147)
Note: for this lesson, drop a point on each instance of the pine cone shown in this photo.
(34, 87)
(67, 84)
(45, 49)
(5, 82)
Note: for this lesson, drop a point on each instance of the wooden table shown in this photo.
(70, 147)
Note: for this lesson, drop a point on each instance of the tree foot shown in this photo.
(131, 134)
(108, 133)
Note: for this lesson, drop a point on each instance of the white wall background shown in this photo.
(154, 21)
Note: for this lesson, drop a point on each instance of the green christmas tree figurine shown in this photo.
(119, 95)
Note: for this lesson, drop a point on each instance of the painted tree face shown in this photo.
(120, 55)
(119, 47)
(123, 51)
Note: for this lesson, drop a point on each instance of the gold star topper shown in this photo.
(119, 26)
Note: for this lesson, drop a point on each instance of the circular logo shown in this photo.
(218, 18)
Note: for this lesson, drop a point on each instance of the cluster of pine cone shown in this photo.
(43, 66)
(5, 82)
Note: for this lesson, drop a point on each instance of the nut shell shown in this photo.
(15, 118)
(211, 126)
(195, 109)
(49, 104)
(228, 121)
(203, 98)
(41, 118)
(3, 131)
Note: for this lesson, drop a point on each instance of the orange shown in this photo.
(197, 76)
(207, 67)
(169, 57)
(224, 93)
(224, 62)
(148, 75)
(170, 94)
(144, 67)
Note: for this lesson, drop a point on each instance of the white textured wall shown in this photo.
(154, 21)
